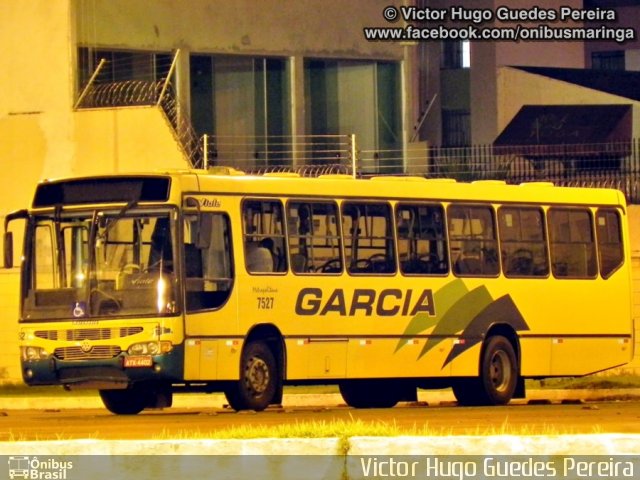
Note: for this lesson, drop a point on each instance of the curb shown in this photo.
(330, 458)
(570, 444)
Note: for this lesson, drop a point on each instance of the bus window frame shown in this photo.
(545, 240)
(244, 235)
(392, 238)
(492, 211)
(622, 261)
(339, 234)
(573, 208)
(445, 236)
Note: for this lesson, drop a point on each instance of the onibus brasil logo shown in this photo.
(33, 468)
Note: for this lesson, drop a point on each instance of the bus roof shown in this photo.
(155, 187)
(400, 187)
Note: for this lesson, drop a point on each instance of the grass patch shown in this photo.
(311, 429)
(346, 429)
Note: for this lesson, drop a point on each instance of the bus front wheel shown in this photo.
(136, 398)
(498, 377)
(124, 402)
(258, 382)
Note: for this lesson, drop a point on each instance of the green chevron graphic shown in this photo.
(458, 316)
(461, 310)
(444, 299)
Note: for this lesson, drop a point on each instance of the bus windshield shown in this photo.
(99, 263)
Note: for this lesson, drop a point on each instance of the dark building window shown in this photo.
(456, 130)
(612, 60)
(455, 54)
(122, 65)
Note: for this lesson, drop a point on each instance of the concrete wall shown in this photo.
(517, 88)
(124, 140)
(488, 57)
(331, 28)
(627, 17)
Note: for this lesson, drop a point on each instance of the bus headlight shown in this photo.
(150, 348)
(33, 353)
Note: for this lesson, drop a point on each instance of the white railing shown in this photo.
(282, 153)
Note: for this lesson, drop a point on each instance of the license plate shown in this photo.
(138, 361)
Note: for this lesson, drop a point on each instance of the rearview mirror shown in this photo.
(8, 236)
(8, 250)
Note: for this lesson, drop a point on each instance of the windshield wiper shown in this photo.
(132, 203)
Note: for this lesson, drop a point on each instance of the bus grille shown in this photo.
(98, 352)
(88, 333)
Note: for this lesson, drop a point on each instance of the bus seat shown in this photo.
(298, 263)
(192, 261)
(468, 266)
(258, 258)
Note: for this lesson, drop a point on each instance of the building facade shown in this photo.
(100, 86)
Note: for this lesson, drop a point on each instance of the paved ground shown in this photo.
(71, 428)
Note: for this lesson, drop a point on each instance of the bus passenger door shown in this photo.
(210, 312)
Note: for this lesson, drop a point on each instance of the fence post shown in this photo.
(205, 151)
(167, 80)
(353, 154)
(89, 83)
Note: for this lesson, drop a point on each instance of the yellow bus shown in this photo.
(141, 286)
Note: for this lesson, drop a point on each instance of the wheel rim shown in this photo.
(500, 371)
(257, 378)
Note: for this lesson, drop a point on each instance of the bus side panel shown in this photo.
(297, 359)
(582, 356)
(468, 363)
(201, 359)
(327, 359)
(535, 356)
(394, 359)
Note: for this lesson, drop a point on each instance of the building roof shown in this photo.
(622, 83)
(567, 124)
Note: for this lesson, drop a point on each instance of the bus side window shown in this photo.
(610, 249)
(208, 263)
(472, 239)
(571, 237)
(314, 240)
(422, 245)
(368, 238)
(522, 242)
(263, 236)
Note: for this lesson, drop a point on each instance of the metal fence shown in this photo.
(612, 164)
(102, 92)
(263, 154)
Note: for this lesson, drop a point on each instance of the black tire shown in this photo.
(369, 394)
(125, 402)
(498, 376)
(258, 383)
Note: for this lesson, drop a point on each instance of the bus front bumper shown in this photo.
(114, 373)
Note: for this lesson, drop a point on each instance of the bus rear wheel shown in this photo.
(498, 377)
(257, 386)
(369, 394)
